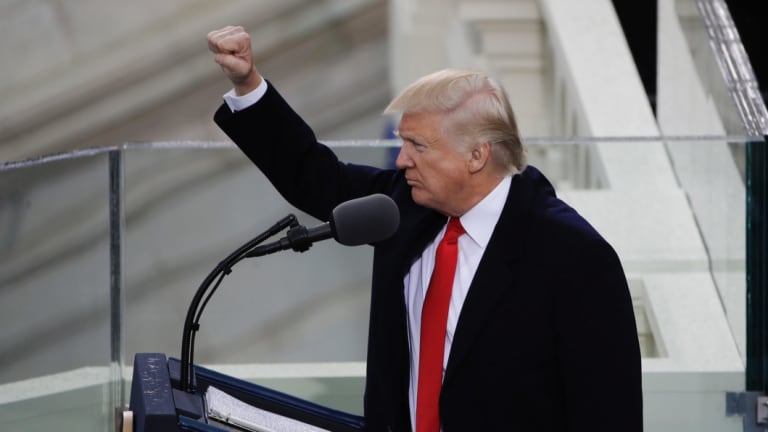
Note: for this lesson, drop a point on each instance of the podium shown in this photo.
(157, 404)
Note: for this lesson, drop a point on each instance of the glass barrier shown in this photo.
(186, 210)
(297, 322)
(55, 364)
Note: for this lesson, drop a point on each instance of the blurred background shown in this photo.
(118, 193)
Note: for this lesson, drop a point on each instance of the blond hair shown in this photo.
(478, 111)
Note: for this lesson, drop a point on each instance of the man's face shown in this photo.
(435, 170)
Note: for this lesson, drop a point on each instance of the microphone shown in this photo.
(355, 222)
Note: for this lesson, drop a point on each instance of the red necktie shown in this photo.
(434, 319)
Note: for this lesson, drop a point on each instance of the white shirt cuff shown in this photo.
(238, 103)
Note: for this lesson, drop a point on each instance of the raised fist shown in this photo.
(232, 49)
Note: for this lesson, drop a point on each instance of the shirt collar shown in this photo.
(477, 221)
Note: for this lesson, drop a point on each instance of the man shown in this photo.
(534, 327)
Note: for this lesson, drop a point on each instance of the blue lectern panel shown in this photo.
(158, 405)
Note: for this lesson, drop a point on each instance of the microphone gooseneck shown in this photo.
(191, 323)
(365, 220)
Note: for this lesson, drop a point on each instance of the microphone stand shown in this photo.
(191, 323)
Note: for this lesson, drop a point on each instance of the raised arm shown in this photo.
(280, 143)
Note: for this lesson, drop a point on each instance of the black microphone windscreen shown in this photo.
(365, 220)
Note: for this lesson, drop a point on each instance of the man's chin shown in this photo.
(419, 197)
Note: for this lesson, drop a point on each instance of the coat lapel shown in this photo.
(494, 276)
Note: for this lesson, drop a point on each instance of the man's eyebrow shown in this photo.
(407, 136)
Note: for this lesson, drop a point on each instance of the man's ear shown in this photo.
(479, 158)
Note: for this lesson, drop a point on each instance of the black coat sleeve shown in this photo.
(304, 171)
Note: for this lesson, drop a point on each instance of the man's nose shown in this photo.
(403, 160)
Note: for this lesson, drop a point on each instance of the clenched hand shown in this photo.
(232, 49)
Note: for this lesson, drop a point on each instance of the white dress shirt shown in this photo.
(478, 224)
